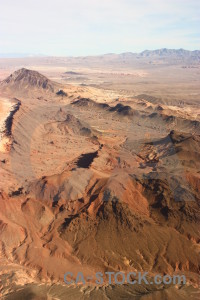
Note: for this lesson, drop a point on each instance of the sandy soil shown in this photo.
(98, 178)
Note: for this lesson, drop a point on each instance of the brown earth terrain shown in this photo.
(98, 178)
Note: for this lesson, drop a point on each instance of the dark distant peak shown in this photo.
(119, 108)
(125, 110)
(61, 93)
(28, 78)
(72, 73)
(169, 52)
(87, 102)
(83, 102)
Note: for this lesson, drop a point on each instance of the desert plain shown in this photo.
(99, 171)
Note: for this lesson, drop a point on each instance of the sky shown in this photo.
(92, 27)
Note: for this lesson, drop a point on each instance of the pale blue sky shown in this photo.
(90, 27)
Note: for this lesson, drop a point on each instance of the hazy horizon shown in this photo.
(27, 55)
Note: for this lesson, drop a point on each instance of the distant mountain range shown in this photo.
(164, 52)
(170, 52)
(159, 53)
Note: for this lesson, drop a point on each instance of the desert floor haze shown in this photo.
(99, 171)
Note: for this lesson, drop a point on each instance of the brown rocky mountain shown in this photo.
(25, 81)
(27, 78)
(95, 183)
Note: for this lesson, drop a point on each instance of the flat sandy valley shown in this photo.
(99, 172)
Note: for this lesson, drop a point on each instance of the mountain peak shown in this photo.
(28, 78)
